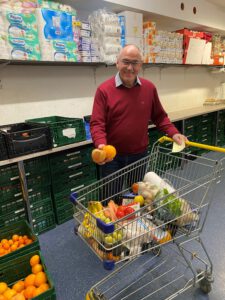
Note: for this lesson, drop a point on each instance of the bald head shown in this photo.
(130, 50)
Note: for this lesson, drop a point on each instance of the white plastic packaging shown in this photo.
(153, 178)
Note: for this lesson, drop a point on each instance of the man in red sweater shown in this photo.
(123, 107)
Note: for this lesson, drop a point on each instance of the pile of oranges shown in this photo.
(16, 242)
(33, 285)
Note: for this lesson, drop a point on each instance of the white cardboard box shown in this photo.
(133, 23)
(138, 41)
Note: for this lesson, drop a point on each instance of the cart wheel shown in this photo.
(205, 285)
(156, 251)
(75, 230)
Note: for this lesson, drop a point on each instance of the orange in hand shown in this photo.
(110, 151)
(98, 156)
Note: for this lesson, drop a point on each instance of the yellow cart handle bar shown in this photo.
(193, 144)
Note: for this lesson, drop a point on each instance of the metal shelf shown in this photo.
(93, 64)
(48, 63)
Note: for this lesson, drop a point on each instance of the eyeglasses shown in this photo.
(133, 63)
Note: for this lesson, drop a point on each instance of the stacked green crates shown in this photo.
(200, 129)
(220, 139)
(64, 130)
(11, 199)
(19, 267)
(12, 205)
(39, 191)
(70, 171)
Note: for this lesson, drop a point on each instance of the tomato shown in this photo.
(121, 208)
(129, 210)
(120, 214)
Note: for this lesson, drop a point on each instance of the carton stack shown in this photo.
(197, 46)
(149, 50)
(161, 46)
(218, 49)
(131, 24)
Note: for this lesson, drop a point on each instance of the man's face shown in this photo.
(129, 64)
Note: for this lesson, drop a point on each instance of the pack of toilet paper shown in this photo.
(22, 49)
(56, 6)
(18, 6)
(4, 51)
(56, 50)
(21, 34)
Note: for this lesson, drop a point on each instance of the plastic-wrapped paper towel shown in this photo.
(56, 35)
(54, 25)
(106, 35)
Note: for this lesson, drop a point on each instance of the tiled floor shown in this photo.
(74, 268)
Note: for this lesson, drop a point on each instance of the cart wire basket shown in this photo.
(160, 201)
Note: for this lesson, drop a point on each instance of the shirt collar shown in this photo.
(119, 82)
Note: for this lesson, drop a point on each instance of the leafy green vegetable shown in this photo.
(173, 204)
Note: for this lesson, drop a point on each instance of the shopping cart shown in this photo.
(177, 189)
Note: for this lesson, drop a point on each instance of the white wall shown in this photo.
(36, 91)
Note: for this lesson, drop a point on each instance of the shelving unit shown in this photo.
(97, 64)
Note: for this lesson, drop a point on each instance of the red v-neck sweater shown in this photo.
(121, 116)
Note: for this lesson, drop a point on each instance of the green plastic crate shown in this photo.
(73, 183)
(11, 206)
(9, 174)
(41, 208)
(12, 217)
(9, 192)
(64, 213)
(36, 166)
(61, 199)
(20, 228)
(64, 130)
(19, 267)
(74, 174)
(38, 180)
(39, 193)
(44, 223)
(71, 157)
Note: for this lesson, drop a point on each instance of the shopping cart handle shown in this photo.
(193, 144)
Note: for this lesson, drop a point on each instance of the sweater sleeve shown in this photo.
(98, 119)
(160, 118)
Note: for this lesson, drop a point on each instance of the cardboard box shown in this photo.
(132, 40)
(133, 23)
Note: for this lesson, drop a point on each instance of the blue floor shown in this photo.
(74, 267)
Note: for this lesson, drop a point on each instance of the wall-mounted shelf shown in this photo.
(93, 64)
(49, 63)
